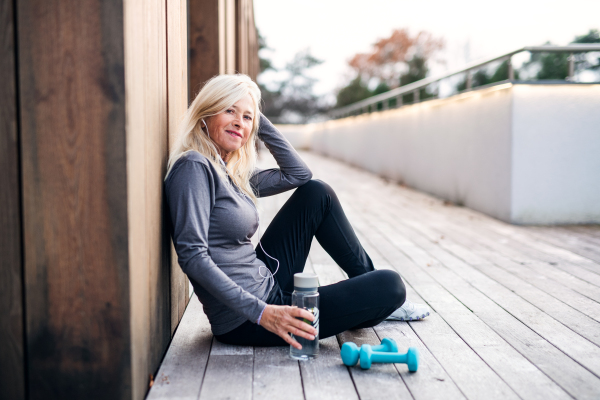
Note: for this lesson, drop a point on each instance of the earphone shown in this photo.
(272, 274)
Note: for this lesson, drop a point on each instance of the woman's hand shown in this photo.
(282, 320)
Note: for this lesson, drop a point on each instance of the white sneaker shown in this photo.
(409, 312)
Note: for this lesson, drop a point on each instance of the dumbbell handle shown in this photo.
(368, 356)
(382, 357)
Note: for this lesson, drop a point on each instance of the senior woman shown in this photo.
(212, 187)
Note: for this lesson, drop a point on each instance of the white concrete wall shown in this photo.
(556, 154)
(522, 153)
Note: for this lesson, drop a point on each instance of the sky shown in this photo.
(335, 30)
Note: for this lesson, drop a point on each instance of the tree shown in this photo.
(389, 56)
(292, 99)
(393, 61)
(556, 65)
(356, 91)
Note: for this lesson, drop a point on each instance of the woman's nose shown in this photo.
(237, 121)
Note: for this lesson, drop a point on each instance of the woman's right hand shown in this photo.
(282, 320)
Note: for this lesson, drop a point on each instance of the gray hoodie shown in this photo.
(212, 222)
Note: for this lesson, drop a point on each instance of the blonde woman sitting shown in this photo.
(212, 186)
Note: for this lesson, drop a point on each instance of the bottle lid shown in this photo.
(306, 280)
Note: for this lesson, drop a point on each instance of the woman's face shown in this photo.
(231, 129)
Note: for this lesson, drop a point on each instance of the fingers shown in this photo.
(283, 320)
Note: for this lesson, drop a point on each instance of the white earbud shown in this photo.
(206, 126)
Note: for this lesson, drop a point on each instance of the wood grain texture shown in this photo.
(182, 371)
(420, 217)
(275, 375)
(177, 104)
(12, 378)
(234, 362)
(381, 381)
(203, 42)
(72, 101)
(326, 377)
(147, 141)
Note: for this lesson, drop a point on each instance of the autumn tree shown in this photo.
(396, 60)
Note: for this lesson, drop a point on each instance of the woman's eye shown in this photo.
(229, 111)
(248, 118)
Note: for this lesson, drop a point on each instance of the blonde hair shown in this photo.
(218, 94)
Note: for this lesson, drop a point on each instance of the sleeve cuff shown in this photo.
(260, 316)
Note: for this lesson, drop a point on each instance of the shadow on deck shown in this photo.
(516, 310)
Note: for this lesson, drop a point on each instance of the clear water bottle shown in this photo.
(306, 296)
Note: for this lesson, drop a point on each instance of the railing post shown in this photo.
(469, 80)
(399, 101)
(571, 67)
(385, 105)
(416, 96)
(511, 71)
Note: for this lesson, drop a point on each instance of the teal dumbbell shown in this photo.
(368, 356)
(350, 352)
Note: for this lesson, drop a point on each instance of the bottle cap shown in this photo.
(306, 280)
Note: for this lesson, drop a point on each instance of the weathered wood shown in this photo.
(147, 135)
(177, 99)
(569, 240)
(326, 377)
(72, 102)
(204, 44)
(569, 379)
(388, 214)
(431, 380)
(12, 378)
(233, 362)
(276, 375)
(381, 381)
(182, 371)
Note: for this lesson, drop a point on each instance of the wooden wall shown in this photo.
(91, 95)
(222, 40)
(12, 363)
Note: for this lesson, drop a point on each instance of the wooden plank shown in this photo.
(516, 303)
(326, 377)
(72, 102)
(506, 322)
(177, 100)
(12, 354)
(469, 372)
(537, 350)
(569, 316)
(182, 371)
(382, 380)
(569, 240)
(431, 380)
(203, 50)
(147, 140)
(276, 375)
(233, 362)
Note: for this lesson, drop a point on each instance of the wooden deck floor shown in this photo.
(516, 310)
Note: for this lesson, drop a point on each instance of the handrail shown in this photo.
(415, 87)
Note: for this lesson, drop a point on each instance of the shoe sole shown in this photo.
(409, 319)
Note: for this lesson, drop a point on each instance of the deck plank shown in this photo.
(229, 373)
(381, 381)
(182, 371)
(326, 377)
(516, 310)
(276, 376)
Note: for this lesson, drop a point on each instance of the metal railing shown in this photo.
(415, 88)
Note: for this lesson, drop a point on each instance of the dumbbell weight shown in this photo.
(350, 352)
(368, 356)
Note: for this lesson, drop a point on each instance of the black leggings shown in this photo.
(364, 300)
